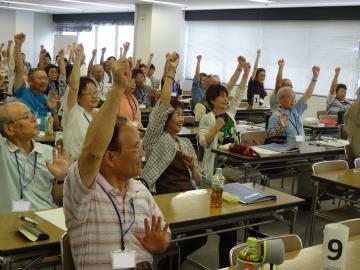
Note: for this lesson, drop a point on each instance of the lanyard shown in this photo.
(87, 119)
(20, 180)
(119, 218)
(294, 124)
(132, 109)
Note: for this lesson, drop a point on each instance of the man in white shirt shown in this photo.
(31, 174)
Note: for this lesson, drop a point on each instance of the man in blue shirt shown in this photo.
(199, 84)
(287, 120)
(33, 96)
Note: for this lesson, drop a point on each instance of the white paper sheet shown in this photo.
(264, 152)
(54, 216)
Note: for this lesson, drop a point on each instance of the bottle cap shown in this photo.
(219, 170)
(251, 241)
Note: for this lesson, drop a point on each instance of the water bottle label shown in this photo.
(217, 183)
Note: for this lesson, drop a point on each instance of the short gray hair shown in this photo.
(283, 91)
(4, 114)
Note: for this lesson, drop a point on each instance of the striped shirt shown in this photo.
(92, 222)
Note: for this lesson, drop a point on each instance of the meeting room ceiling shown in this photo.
(91, 6)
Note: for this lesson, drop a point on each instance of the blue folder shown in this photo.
(247, 194)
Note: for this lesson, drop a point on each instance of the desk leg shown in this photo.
(293, 221)
(6, 263)
(313, 210)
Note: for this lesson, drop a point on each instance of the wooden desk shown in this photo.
(349, 179)
(49, 140)
(246, 114)
(322, 129)
(15, 247)
(189, 211)
(309, 258)
(307, 152)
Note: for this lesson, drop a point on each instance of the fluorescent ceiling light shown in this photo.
(40, 5)
(95, 4)
(164, 3)
(262, 1)
(27, 9)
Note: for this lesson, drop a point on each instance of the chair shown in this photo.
(329, 166)
(253, 137)
(354, 226)
(320, 113)
(328, 117)
(357, 163)
(292, 242)
(66, 256)
(173, 251)
(349, 156)
(342, 132)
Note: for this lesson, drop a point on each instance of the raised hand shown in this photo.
(10, 42)
(60, 164)
(247, 67)
(51, 103)
(316, 72)
(219, 123)
(79, 51)
(258, 52)
(103, 50)
(94, 51)
(283, 119)
(151, 55)
(173, 60)
(126, 47)
(120, 70)
(19, 38)
(337, 71)
(241, 60)
(281, 63)
(156, 239)
(199, 57)
(61, 54)
(2, 45)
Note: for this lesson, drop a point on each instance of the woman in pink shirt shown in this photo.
(129, 107)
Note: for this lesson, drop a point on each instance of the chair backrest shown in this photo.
(320, 113)
(329, 166)
(249, 137)
(342, 132)
(66, 256)
(328, 117)
(357, 163)
(291, 242)
(349, 156)
(353, 224)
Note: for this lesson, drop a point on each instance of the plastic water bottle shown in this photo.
(217, 188)
(250, 257)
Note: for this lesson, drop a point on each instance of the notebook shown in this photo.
(248, 194)
(282, 148)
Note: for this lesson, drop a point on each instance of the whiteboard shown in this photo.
(301, 43)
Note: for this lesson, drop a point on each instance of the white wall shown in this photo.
(38, 27)
(158, 30)
(44, 32)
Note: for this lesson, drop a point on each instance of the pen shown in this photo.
(28, 219)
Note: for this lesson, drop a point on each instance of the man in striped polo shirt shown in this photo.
(105, 209)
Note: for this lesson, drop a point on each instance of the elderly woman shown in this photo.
(287, 120)
(336, 101)
(171, 163)
(81, 103)
(256, 82)
(217, 128)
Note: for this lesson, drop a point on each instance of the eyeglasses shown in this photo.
(138, 148)
(28, 115)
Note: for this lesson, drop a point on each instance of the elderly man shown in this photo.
(32, 174)
(107, 212)
(287, 120)
(96, 72)
(33, 96)
(352, 125)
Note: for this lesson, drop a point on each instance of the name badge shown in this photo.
(20, 206)
(121, 259)
(134, 123)
(299, 138)
(142, 106)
